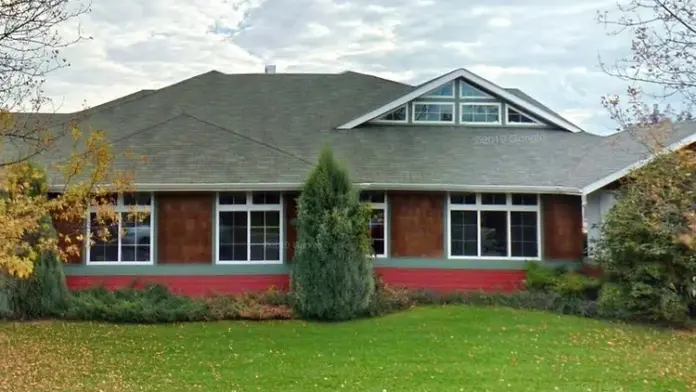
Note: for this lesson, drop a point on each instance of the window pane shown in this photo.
(494, 198)
(137, 199)
(494, 233)
(257, 252)
(377, 234)
(463, 198)
(515, 117)
(480, 114)
(470, 91)
(233, 198)
(272, 252)
(136, 228)
(524, 199)
(444, 91)
(233, 235)
(464, 233)
(378, 247)
(397, 115)
(523, 232)
(142, 253)
(265, 198)
(265, 235)
(105, 240)
(257, 235)
(433, 112)
(372, 197)
(239, 252)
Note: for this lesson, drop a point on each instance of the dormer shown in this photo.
(461, 98)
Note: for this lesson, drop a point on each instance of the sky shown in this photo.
(551, 49)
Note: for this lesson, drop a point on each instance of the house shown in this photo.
(467, 180)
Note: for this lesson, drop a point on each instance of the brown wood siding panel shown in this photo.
(71, 230)
(185, 227)
(416, 227)
(291, 231)
(562, 225)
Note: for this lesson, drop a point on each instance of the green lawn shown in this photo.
(456, 348)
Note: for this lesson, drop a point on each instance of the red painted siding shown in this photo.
(453, 280)
(414, 278)
(187, 285)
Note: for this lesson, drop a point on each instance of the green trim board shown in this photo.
(176, 269)
(472, 264)
(283, 269)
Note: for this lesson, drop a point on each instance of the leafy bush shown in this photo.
(270, 305)
(558, 280)
(153, 304)
(43, 294)
(156, 304)
(331, 271)
(388, 299)
(642, 251)
(574, 284)
(540, 278)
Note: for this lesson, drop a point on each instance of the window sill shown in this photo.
(119, 263)
(494, 258)
(254, 262)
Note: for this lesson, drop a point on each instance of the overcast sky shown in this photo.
(548, 48)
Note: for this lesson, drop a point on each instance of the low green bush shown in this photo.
(389, 299)
(156, 304)
(541, 278)
(577, 285)
(558, 280)
(152, 304)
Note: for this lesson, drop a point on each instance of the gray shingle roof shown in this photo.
(263, 129)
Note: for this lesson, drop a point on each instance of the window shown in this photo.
(514, 116)
(128, 240)
(494, 225)
(398, 115)
(249, 227)
(480, 113)
(468, 91)
(433, 112)
(445, 91)
(378, 221)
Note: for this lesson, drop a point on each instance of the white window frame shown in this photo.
(454, 89)
(479, 207)
(463, 83)
(500, 113)
(249, 207)
(405, 120)
(383, 206)
(413, 116)
(121, 208)
(536, 122)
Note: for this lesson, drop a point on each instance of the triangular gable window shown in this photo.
(470, 92)
(398, 115)
(444, 91)
(514, 116)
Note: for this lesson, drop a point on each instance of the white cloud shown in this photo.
(499, 22)
(547, 48)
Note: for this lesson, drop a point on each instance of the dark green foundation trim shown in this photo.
(176, 269)
(498, 264)
(282, 269)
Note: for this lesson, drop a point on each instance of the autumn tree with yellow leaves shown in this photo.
(80, 159)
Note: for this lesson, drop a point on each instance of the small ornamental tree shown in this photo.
(647, 246)
(332, 270)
